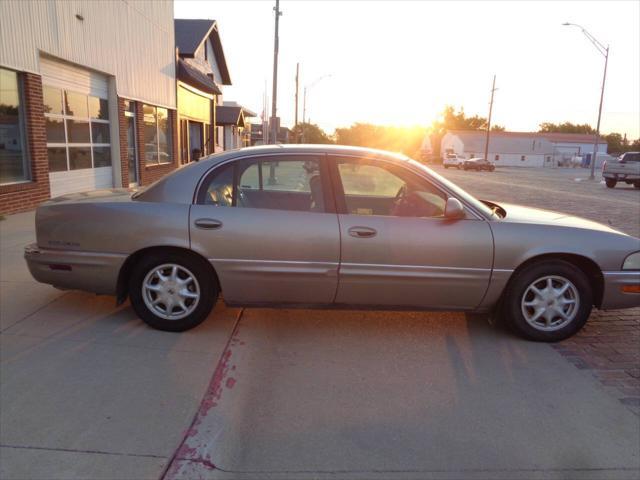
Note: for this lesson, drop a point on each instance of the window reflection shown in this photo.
(13, 158)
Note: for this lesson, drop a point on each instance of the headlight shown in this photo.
(632, 262)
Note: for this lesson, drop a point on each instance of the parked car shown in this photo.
(330, 227)
(625, 169)
(478, 164)
(452, 160)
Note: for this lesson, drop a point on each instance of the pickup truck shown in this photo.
(625, 168)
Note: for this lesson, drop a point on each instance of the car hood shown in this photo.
(522, 214)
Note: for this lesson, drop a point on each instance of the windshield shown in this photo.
(467, 197)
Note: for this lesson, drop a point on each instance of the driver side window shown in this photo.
(381, 189)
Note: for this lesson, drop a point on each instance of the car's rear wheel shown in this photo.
(548, 301)
(611, 183)
(636, 184)
(172, 291)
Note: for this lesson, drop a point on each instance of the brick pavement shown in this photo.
(609, 345)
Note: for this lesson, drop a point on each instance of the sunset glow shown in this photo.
(400, 63)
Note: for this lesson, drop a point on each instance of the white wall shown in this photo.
(132, 40)
(515, 159)
(450, 141)
(583, 148)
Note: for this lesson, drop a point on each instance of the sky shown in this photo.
(402, 62)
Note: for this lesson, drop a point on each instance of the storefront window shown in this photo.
(13, 156)
(157, 135)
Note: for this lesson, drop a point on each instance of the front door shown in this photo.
(397, 247)
(269, 229)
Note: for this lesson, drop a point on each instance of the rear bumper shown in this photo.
(621, 176)
(88, 271)
(613, 296)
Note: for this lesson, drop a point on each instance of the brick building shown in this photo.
(87, 97)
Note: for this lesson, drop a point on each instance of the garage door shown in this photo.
(76, 109)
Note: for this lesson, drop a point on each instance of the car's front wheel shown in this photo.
(548, 301)
(172, 291)
(611, 183)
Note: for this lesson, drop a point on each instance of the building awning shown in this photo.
(194, 77)
(227, 115)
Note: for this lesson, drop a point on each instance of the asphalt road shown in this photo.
(88, 391)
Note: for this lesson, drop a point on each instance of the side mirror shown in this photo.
(454, 209)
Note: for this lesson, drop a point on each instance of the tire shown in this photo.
(520, 300)
(446, 167)
(202, 285)
(636, 184)
(611, 183)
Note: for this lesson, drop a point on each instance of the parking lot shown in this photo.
(88, 391)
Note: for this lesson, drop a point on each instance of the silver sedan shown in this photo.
(331, 227)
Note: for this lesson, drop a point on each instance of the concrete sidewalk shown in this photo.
(88, 391)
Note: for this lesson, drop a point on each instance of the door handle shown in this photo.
(208, 223)
(362, 232)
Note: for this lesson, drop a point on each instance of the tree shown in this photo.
(310, 133)
(616, 143)
(497, 128)
(566, 127)
(450, 119)
(396, 139)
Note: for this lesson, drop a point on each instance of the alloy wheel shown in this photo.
(550, 303)
(171, 291)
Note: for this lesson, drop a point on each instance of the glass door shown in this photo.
(131, 147)
(195, 141)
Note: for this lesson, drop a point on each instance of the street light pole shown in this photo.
(304, 100)
(604, 51)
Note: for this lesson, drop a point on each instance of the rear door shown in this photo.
(397, 247)
(269, 227)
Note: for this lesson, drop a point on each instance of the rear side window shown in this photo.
(280, 184)
(219, 191)
(266, 183)
(632, 157)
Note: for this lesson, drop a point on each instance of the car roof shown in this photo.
(178, 186)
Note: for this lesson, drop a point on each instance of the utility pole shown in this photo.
(486, 146)
(274, 98)
(604, 51)
(295, 128)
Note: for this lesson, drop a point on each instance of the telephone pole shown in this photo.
(274, 98)
(295, 128)
(486, 146)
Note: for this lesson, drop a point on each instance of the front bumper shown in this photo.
(613, 296)
(88, 271)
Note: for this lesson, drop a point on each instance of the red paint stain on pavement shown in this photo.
(219, 380)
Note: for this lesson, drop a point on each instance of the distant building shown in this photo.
(522, 149)
(88, 97)
(202, 71)
(234, 119)
(285, 135)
